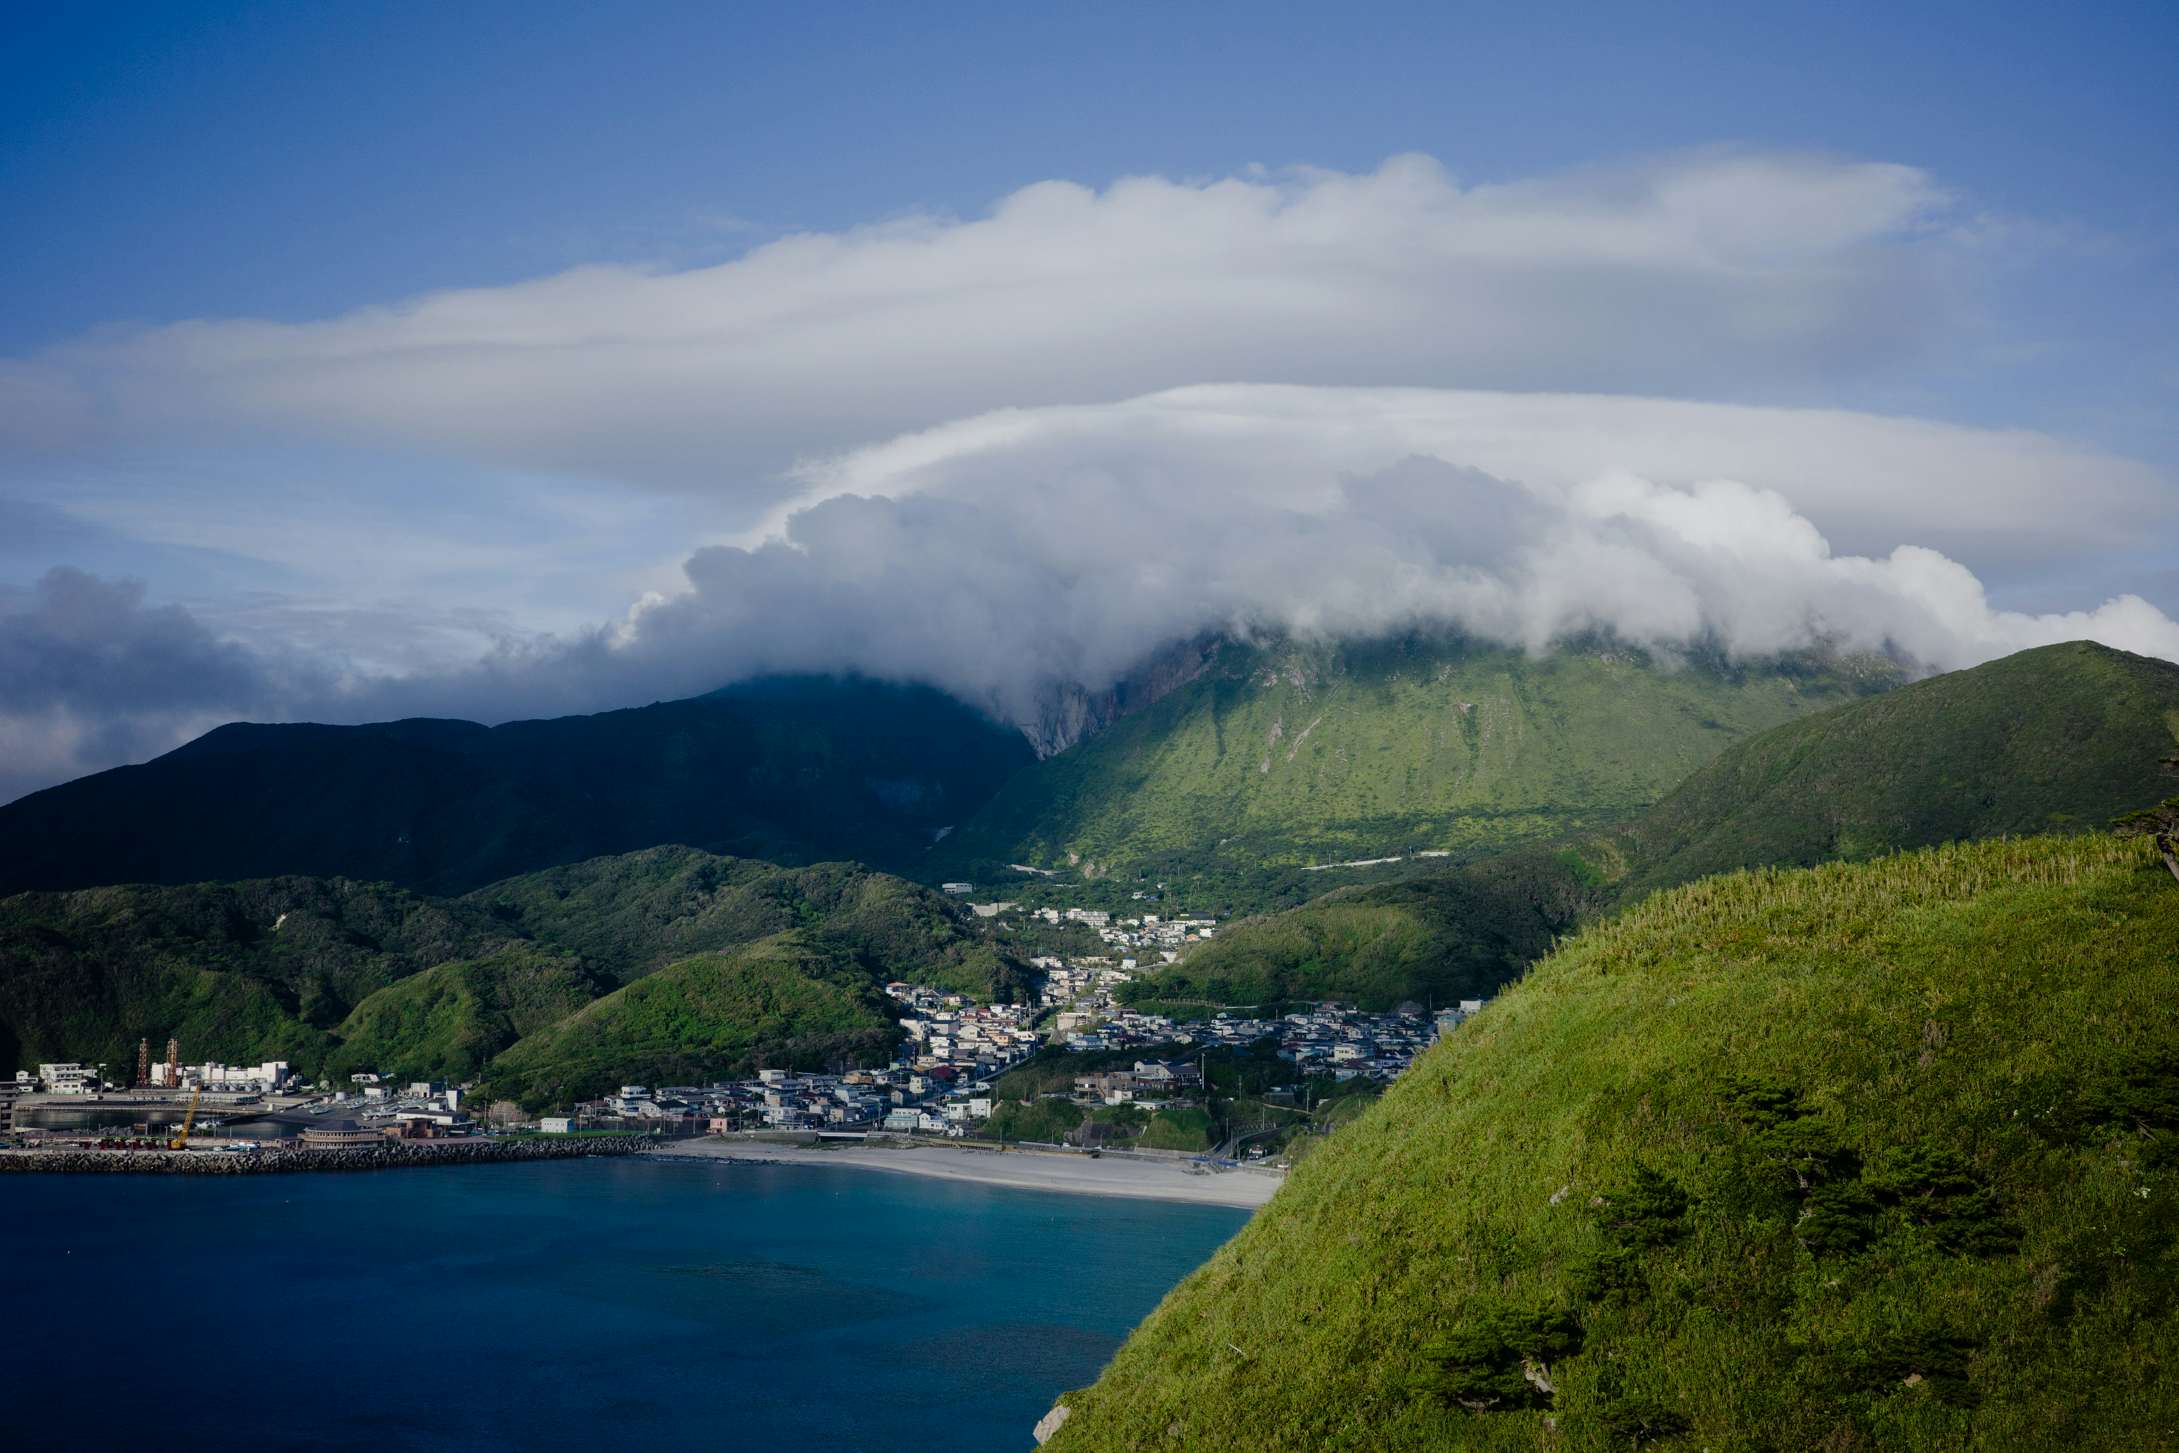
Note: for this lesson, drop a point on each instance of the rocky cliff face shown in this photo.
(1067, 713)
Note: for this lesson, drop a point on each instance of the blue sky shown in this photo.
(1964, 214)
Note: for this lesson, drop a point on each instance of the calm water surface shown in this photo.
(600, 1304)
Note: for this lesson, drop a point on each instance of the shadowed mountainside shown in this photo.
(790, 769)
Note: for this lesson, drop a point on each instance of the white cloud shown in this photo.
(1004, 555)
(1463, 406)
(1009, 556)
(1710, 273)
(90, 675)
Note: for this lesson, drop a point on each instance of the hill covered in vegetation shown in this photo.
(2059, 737)
(334, 975)
(798, 998)
(1296, 753)
(1866, 1156)
(1433, 940)
(630, 914)
(788, 770)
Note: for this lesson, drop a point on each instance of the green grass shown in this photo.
(1870, 1156)
(1044, 1120)
(1295, 753)
(1179, 1128)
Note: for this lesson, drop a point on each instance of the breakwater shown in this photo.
(348, 1157)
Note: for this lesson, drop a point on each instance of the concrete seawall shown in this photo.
(354, 1157)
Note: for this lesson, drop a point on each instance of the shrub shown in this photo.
(1936, 1189)
(1838, 1219)
(1650, 1210)
(1614, 1270)
(1499, 1358)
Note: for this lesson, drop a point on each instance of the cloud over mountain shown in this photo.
(89, 674)
(981, 452)
(1006, 556)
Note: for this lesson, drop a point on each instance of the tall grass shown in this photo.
(1874, 1156)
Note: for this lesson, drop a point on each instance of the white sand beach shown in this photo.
(1030, 1170)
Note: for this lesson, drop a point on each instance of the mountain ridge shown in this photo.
(785, 769)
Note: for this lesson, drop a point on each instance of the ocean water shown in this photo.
(595, 1304)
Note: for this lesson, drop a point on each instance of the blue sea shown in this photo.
(595, 1304)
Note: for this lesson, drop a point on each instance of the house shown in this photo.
(557, 1125)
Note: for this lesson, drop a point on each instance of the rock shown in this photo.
(390, 1156)
(1051, 1422)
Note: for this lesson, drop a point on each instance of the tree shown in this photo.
(2160, 824)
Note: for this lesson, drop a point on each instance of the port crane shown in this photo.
(189, 1118)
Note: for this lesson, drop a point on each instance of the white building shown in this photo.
(69, 1079)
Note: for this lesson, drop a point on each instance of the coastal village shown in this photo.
(947, 1079)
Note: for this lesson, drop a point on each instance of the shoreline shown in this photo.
(1022, 1170)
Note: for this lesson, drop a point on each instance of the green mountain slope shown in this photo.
(1870, 1156)
(796, 999)
(2058, 738)
(630, 914)
(238, 971)
(1434, 940)
(1293, 753)
(447, 1022)
(336, 975)
(788, 770)
(2061, 736)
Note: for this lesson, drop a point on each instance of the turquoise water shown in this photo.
(597, 1304)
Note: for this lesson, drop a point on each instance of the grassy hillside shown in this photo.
(1435, 940)
(794, 1000)
(447, 1022)
(1871, 1156)
(1297, 753)
(335, 975)
(790, 770)
(2060, 737)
